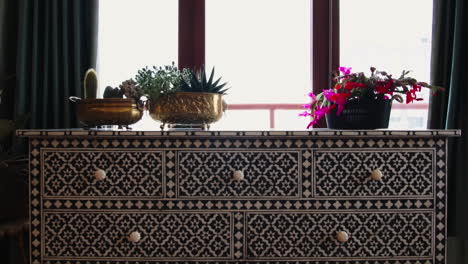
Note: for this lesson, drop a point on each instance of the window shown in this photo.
(262, 48)
(132, 35)
(265, 57)
(392, 36)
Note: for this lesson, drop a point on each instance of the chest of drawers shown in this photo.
(238, 197)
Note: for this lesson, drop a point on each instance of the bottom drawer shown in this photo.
(102, 235)
(296, 236)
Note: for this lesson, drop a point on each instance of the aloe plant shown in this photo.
(198, 82)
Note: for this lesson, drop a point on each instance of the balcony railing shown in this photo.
(274, 107)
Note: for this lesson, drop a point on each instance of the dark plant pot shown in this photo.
(361, 114)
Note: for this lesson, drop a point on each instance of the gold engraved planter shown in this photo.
(108, 111)
(186, 108)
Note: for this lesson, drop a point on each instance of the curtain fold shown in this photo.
(450, 110)
(8, 35)
(57, 43)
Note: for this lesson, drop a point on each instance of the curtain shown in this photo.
(450, 110)
(57, 43)
(8, 32)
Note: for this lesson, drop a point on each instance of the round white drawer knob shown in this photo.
(134, 236)
(238, 175)
(376, 175)
(100, 174)
(342, 236)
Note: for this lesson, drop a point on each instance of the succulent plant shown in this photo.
(159, 81)
(128, 88)
(110, 92)
(90, 84)
(197, 82)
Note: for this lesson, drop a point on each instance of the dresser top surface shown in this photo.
(238, 133)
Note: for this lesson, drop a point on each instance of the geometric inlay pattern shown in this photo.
(426, 205)
(313, 235)
(71, 173)
(163, 235)
(347, 173)
(266, 174)
(229, 204)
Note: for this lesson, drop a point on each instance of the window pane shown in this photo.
(243, 120)
(289, 120)
(392, 36)
(261, 47)
(134, 34)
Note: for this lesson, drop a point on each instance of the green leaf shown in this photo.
(211, 76)
(203, 78)
(223, 91)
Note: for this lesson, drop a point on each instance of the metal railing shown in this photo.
(274, 107)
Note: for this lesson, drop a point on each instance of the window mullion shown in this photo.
(325, 44)
(191, 33)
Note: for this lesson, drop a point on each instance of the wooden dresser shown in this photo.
(318, 196)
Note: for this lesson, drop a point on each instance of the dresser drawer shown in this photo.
(262, 173)
(102, 173)
(296, 236)
(175, 236)
(347, 173)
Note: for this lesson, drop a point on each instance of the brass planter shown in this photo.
(109, 111)
(188, 108)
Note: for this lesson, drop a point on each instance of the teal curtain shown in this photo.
(57, 43)
(450, 110)
(8, 32)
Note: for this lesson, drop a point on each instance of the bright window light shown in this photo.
(262, 49)
(392, 36)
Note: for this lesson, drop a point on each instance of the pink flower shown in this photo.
(345, 70)
(411, 94)
(312, 96)
(338, 98)
(305, 113)
(319, 113)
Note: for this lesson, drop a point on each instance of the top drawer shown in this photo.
(273, 174)
(127, 173)
(347, 173)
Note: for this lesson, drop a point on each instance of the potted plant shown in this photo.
(120, 106)
(358, 101)
(183, 98)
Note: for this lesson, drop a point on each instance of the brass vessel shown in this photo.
(108, 111)
(188, 108)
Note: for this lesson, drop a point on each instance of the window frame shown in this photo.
(324, 49)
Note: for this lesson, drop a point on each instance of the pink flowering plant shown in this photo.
(350, 86)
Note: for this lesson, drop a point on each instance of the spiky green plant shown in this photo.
(197, 82)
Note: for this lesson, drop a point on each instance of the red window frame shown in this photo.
(191, 34)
